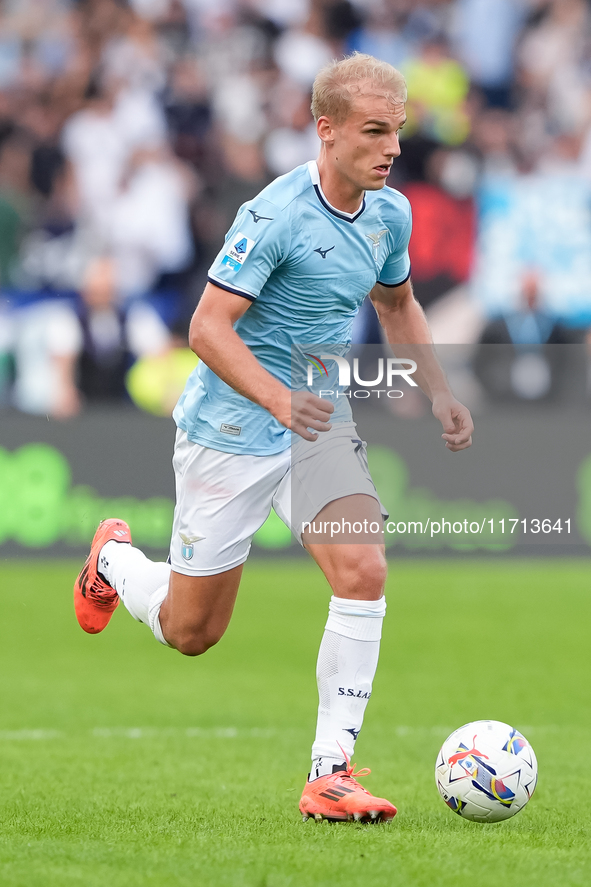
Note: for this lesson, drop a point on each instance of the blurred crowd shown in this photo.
(132, 130)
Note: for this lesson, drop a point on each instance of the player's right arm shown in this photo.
(213, 338)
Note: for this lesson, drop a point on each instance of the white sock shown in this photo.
(141, 584)
(347, 663)
(156, 602)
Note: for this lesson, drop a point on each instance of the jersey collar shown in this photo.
(315, 176)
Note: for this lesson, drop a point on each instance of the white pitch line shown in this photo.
(144, 733)
(189, 732)
(401, 731)
(30, 735)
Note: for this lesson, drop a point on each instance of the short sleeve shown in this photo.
(256, 244)
(396, 268)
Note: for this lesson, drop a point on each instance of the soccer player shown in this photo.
(295, 268)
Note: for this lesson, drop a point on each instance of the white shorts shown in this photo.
(222, 499)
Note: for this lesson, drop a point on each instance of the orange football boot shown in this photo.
(95, 600)
(338, 796)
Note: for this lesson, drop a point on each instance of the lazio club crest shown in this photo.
(187, 549)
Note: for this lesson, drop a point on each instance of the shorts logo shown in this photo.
(187, 549)
(230, 429)
(238, 251)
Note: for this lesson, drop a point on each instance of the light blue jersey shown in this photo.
(306, 267)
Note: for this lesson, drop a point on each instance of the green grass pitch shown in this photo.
(123, 764)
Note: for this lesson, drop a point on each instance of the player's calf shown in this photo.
(197, 610)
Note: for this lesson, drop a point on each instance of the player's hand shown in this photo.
(456, 420)
(309, 411)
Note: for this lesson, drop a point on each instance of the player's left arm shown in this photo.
(405, 325)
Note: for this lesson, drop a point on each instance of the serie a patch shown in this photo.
(238, 251)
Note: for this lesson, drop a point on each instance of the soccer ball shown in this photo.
(486, 771)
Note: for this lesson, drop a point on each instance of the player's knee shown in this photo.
(362, 573)
(195, 643)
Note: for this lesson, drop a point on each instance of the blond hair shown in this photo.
(337, 83)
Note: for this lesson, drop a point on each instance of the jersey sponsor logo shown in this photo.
(323, 252)
(187, 549)
(238, 251)
(230, 429)
(350, 692)
(257, 218)
(375, 243)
